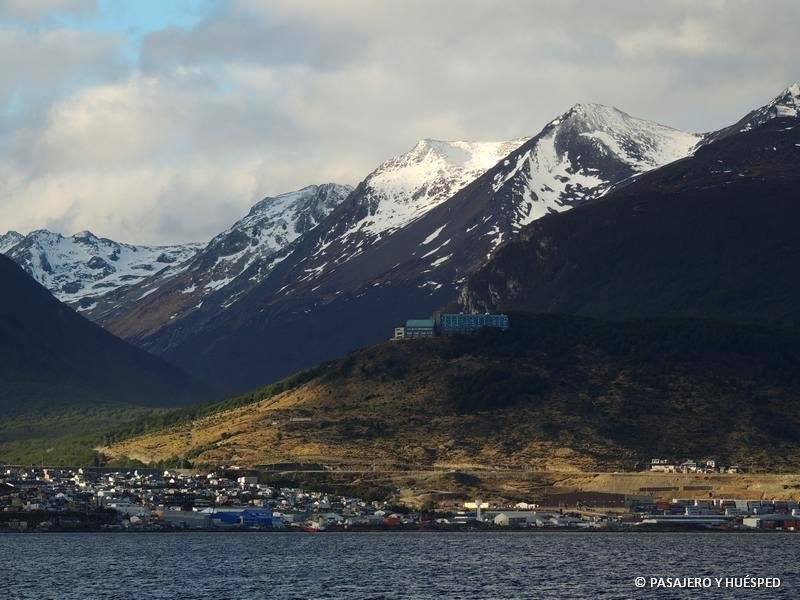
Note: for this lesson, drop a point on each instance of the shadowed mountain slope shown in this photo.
(54, 362)
(713, 235)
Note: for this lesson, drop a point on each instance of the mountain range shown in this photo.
(81, 268)
(231, 263)
(313, 274)
(329, 296)
(379, 258)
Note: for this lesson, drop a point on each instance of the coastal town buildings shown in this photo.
(37, 499)
(709, 465)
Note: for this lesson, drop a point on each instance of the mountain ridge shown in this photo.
(707, 236)
(232, 261)
(400, 245)
(80, 268)
(785, 104)
(342, 277)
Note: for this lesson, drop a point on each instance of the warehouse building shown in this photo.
(773, 521)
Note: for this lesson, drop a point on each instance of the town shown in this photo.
(449, 324)
(664, 465)
(63, 499)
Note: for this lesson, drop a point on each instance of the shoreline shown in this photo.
(428, 531)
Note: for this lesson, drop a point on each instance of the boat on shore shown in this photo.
(313, 527)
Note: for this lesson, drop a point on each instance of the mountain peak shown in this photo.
(45, 234)
(581, 154)
(784, 105)
(787, 103)
(459, 155)
(445, 149)
(9, 239)
(403, 188)
(426, 143)
(83, 267)
(592, 116)
(592, 107)
(292, 199)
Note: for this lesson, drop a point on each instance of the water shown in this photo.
(385, 565)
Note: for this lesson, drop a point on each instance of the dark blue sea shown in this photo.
(84, 566)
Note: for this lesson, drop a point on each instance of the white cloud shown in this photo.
(43, 62)
(37, 9)
(261, 97)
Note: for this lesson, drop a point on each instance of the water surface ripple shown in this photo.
(377, 566)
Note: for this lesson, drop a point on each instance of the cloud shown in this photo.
(43, 63)
(38, 9)
(260, 98)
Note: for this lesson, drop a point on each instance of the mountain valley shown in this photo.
(61, 374)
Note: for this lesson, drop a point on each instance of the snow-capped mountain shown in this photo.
(785, 104)
(269, 228)
(577, 157)
(9, 240)
(713, 236)
(395, 194)
(405, 240)
(400, 191)
(400, 246)
(229, 264)
(80, 268)
(405, 187)
(580, 155)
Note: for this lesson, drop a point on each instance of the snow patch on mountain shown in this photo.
(432, 236)
(270, 227)
(786, 104)
(83, 266)
(404, 188)
(8, 240)
(581, 154)
(547, 182)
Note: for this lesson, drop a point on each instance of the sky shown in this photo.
(163, 121)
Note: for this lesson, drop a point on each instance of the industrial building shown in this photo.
(786, 522)
(416, 328)
(449, 324)
(465, 323)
